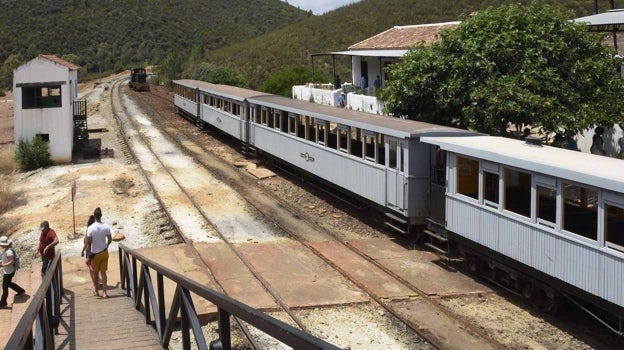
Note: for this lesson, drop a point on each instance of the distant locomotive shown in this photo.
(543, 221)
(138, 79)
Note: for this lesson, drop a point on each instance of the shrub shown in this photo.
(33, 155)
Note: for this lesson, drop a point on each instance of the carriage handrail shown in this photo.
(41, 312)
(139, 285)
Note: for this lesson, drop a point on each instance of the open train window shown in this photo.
(580, 210)
(468, 177)
(356, 142)
(614, 226)
(332, 135)
(517, 186)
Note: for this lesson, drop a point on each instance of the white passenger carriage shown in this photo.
(542, 211)
(377, 158)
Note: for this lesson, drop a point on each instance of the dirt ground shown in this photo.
(117, 186)
(111, 183)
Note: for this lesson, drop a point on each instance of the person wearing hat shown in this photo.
(47, 241)
(8, 268)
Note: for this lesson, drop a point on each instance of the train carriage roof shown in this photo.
(378, 123)
(232, 92)
(590, 169)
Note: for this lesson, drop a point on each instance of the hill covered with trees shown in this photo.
(255, 39)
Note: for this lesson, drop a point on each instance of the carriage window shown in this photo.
(320, 132)
(292, 124)
(518, 192)
(278, 119)
(546, 205)
(310, 129)
(332, 136)
(580, 210)
(356, 142)
(392, 161)
(614, 226)
(264, 116)
(343, 138)
(381, 149)
(467, 177)
(369, 142)
(490, 189)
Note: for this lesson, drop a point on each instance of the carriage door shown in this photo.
(395, 173)
(437, 199)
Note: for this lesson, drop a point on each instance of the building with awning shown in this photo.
(369, 61)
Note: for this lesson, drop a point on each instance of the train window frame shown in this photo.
(292, 124)
(506, 187)
(614, 200)
(264, 116)
(393, 153)
(551, 184)
(368, 135)
(494, 170)
(278, 119)
(461, 170)
(320, 129)
(597, 215)
(344, 133)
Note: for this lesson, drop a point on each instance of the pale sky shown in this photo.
(319, 7)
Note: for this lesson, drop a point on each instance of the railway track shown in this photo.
(250, 192)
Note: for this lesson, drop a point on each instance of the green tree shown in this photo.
(281, 83)
(217, 75)
(171, 68)
(6, 71)
(514, 64)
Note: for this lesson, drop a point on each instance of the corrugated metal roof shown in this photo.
(586, 168)
(611, 17)
(404, 37)
(60, 61)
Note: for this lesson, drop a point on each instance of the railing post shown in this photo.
(224, 330)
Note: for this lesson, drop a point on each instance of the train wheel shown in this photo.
(474, 264)
(545, 299)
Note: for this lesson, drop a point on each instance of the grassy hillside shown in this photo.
(257, 58)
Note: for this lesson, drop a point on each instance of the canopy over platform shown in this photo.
(612, 20)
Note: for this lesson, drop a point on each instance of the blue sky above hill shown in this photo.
(320, 7)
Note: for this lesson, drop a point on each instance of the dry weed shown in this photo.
(5, 192)
(7, 160)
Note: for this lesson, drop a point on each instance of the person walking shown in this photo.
(47, 241)
(90, 221)
(97, 241)
(8, 269)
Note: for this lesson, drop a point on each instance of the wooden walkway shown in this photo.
(87, 322)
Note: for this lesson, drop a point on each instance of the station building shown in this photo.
(45, 92)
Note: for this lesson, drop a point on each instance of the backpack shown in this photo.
(16, 259)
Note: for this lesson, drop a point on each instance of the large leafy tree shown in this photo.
(513, 64)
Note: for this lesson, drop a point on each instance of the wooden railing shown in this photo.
(149, 298)
(39, 324)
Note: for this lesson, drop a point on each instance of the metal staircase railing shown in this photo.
(149, 298)
(39, 324)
